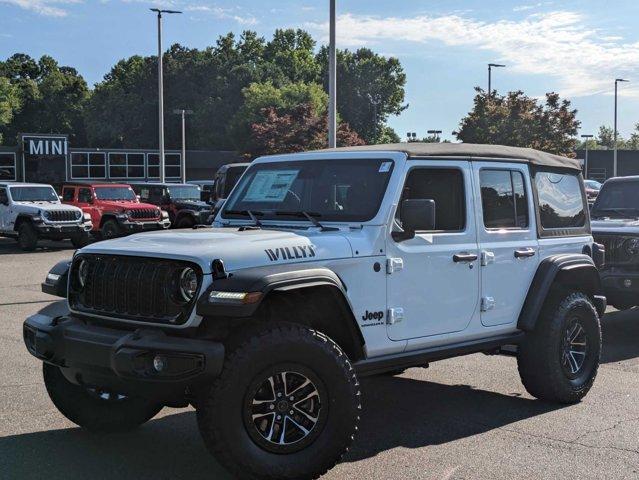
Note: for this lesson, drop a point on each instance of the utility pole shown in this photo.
(586, 138)
(614, 161)
(183, 113)
(332, 80)
(490, 72)
(161, 89)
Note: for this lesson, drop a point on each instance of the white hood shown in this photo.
(34, 207)
(237, 249)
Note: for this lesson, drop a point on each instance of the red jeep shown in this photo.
(114, 208)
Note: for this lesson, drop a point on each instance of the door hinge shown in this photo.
(487, 258)
(394, 265)
(487, 303)
(395, 315)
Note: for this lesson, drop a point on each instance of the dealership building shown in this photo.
(48, 158)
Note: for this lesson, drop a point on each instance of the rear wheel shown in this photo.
(110, 229)
(285, 406)
(95, 409)
(558, 361)
(27, 237)
(185, 222)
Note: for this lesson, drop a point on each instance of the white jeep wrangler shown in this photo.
(321, 268)
(31, 211)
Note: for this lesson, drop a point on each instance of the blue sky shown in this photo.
(576, 48)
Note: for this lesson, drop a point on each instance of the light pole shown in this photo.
(332, 81)
(436, 133)
(614, 161)
(161, 89)
(490, 74)
(586, 137)
(183, 113)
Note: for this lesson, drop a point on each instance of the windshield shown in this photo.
(329, 190)
(184, 192)
(34, 194)
(617, 199)
(115, 193)
(593, 184)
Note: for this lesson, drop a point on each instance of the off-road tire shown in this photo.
(27, 237)
(80, 240)
(91, 412)
(110, 229)
(540, 355)
(222, 410)
(185, 222)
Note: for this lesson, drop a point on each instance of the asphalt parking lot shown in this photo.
(466, 418)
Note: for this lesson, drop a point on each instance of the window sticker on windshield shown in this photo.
(270, 186)
(385, 167)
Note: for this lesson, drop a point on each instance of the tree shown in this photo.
(50, 98)
(388, 135)
(9, 102)
(295, 130)
(517, 120)
(371, 88)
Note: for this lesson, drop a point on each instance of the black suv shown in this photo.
(180, 200)
(615, 224)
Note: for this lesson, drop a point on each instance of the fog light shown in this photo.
(627, 283)
(160, 363)
(53, 277)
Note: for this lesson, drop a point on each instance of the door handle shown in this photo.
(464, 257)
(525, 253)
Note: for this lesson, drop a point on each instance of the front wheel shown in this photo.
(558, 361)
(80, 240)
(185, 222)
(110, 229)
(27, 237)
(285, 406)
(95, 409)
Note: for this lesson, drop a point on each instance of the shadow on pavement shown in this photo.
(397, 412)
(10, 246)
(620, 331)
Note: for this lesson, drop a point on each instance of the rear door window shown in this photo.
(560, 200)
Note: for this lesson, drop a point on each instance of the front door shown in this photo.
(507, 240)
(433, 278)
(4, 209)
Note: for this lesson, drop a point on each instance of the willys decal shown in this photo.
(290, 253)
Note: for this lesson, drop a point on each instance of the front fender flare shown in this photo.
(576, 271)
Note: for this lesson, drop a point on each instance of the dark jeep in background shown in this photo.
(615, 224)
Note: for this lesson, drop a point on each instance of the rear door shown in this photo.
(507, 239)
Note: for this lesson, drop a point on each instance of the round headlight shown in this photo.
(128, 213)
(188, 284)
(83, 272)
(631, 246)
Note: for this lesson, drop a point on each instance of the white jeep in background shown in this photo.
(31, 211)
(321, 268)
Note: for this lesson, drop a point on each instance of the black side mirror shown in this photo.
(417, 215)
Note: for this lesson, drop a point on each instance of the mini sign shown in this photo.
(41, 145)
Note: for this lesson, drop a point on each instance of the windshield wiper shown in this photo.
(311, 217)
(252, 214)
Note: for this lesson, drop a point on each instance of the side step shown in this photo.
(377, 365)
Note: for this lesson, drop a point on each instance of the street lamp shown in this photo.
(586, 137)
(183, 113)
(614, 162)
(490, 72)
(161, 88)
(332, 80)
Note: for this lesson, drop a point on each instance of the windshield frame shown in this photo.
(133, 199)
(289, 160)
(12, 188)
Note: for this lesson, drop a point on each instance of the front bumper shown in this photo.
(130, 226)
(55, 230)
(620, 286)
(121, 361)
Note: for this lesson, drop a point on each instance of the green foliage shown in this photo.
(388, 135)
(518, 120)
(46, 98)
(9, 102)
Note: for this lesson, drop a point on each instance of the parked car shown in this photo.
(225, 179)
(114, 208)
(592, 190)
(180, 200)
(327, 267)
(615, 224)
(207, 190)
(30, 212)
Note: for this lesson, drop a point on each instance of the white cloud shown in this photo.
(557, 44)
(222, 13)
(49, 8)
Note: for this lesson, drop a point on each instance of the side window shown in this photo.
(4, 200)
(144, 193)
(84, 195)
(155, 194)
(68, 194)
(503, 199)
(561, 203)
(446, 187)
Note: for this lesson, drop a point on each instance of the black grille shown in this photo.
(62, 215)
(132, 288)
(138, 213)
(616, 252)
